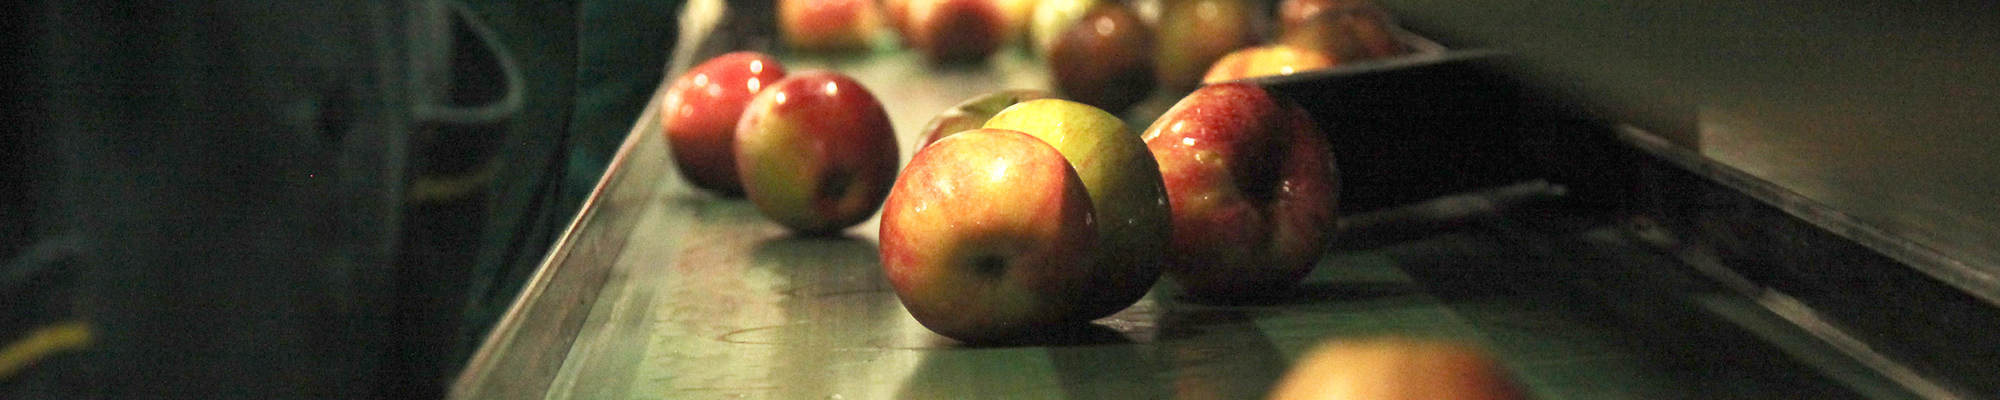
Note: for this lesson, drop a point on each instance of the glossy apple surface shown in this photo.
(817, 25)
(1194, 33)
(1253, 189)
(1105, 59)
(816, 152)
(984, 237)
(1397, 369)
(954, 31)
(1267, 60)
(700, 112)
(1125, 189)
(973, 113)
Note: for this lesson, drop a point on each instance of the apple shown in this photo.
(1253, 188)
(1267, 60)
(816, 152)
(956, 30)
(973, 113)
(1194, 33)
(1348, 30)
(817, 25)
(1396, 368)
(1051, 18)
(1125, 189)
(700, 112)
(984, 236)
(1105, 59)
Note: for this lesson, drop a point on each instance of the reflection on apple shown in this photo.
(985, 234)
(816, 152)
(700, 112)
(1253, 189)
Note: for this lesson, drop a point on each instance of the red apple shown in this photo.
(829, 24)
(974, 112)
(1253, 188)
(1194, 33)
(1125, 189)
(816, 152)
(1267, 60)
(1348, 30)
(1396, 368)
(1105, 59)
(700, 112)
(956, 30)
(984, 237)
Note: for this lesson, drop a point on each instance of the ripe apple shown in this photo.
(829, 24)
(816, 152)
(700, 112)
(974, 112)
(956, 30)
(1348, 30)
(984, 237)
(1395, 368)
(1051, 18)
(1253, 185)
(1194, 33)
(1266, 60)
(1105, 59)
(1125, 189)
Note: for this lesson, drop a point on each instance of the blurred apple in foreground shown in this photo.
(816, 25)
(816, 152)
(1397, 369)
(956, 30)
(974, 112)
(985, 237)
(1194, 33)
(1253, 185)
(1267, 60)
(1105, 59)
(1347, 30)
(700, 112)
(1125, 189)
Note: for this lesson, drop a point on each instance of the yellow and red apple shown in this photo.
(700, 112)
(816, 152)
(819, 25)
(1266, 60)
(973, 113)
(1105, 59)
(1125, 188)
(983, 234)
(1194, 33)
(1253, 188)
(1050, 18)
(1397, 368)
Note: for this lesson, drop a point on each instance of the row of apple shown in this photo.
(1231, 192)
(1021, 213)
(1110, 54)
